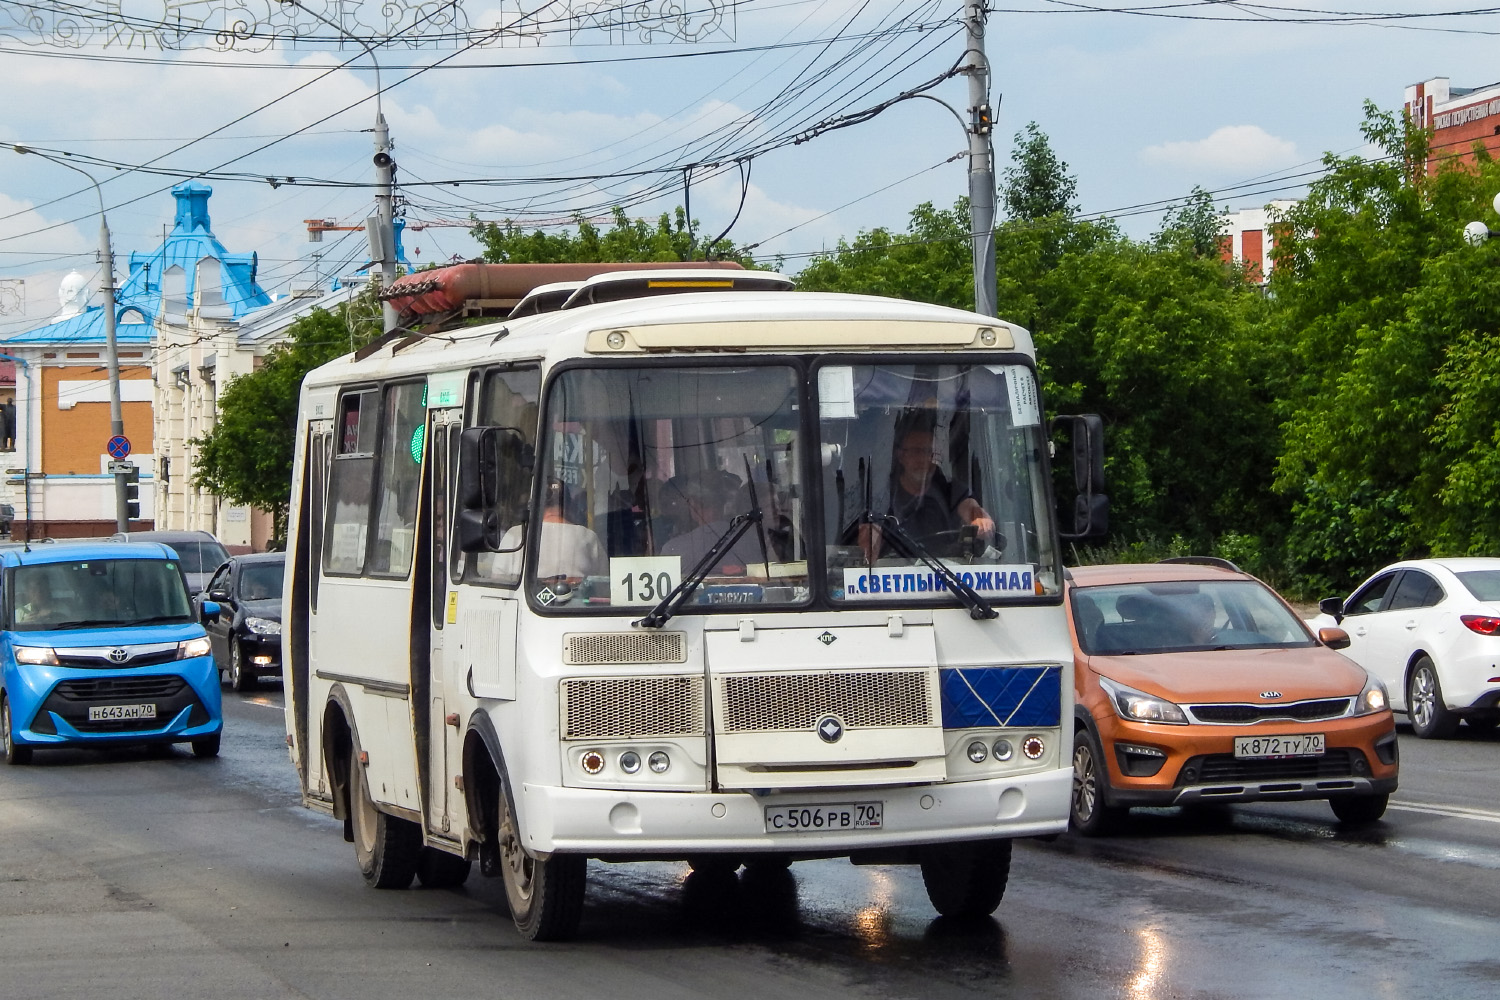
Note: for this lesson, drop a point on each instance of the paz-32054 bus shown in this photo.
(677, 564)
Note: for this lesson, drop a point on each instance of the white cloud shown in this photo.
(1233, 147)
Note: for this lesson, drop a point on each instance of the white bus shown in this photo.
(677, 565)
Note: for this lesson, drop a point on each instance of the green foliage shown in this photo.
(929, 263)
(247, 457)
(627, 240)
(1196, 224)
(1038, 185)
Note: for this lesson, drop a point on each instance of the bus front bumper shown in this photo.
(673, 824)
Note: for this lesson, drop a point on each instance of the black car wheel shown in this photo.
(13, 754)
(241, 678)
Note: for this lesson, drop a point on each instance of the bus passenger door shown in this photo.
(446, 715)
(302, 666)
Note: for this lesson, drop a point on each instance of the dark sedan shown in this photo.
(247, 636)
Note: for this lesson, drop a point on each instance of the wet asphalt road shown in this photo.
(154, 876)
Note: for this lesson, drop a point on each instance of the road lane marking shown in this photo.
(1449, 812)
(262, 702)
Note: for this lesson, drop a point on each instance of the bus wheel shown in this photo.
(386, 848)
(440, 870)
(966, 880)
(545, 897)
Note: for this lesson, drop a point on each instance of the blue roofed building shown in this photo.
(188, 292)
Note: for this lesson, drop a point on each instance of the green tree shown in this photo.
(247, 457)
(1196, 224)
(1038, 184)
(669, 239)
(1386, 313)
(930, 262)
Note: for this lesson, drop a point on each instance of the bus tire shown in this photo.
(387, 848)
(440, 870)
(966, 880)
(545, 896)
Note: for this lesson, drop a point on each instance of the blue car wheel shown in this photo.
(13, 754)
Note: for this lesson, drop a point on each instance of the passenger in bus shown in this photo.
(706, 497)
(925, 502)
(567, 552)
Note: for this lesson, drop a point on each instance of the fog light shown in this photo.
(261, 661)
(978, 752)
(659, 762)
(1033, 747)
(1143, 751)
(630, 762)
(1003, 750)
(592, 761)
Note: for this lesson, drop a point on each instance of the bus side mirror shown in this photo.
(1085, 433)
(494, 468)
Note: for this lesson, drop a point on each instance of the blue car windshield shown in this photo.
(97, 593)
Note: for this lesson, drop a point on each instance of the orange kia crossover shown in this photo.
(1195, 683)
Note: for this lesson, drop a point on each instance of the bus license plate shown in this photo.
(1303, 745)
(109, 713)
(813, 819)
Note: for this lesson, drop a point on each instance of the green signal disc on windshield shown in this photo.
(418, 442)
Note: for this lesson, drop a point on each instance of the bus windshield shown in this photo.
(98, 593)
(930, 463)
(648, 472)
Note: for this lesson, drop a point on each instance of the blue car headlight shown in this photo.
(189, 648)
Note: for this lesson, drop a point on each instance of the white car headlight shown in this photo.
(41, 656)
(1137, 706)
(264, 626)
(189, 648)
(1372, 699)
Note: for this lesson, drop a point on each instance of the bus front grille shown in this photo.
(867, 698)
(632, 707)
(585, 648)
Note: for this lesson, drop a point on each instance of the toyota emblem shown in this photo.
(1270, 694)
(118, 655)
(830, 729)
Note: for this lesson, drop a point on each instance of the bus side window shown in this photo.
(351, 483)
(508, 399)
(401, 450)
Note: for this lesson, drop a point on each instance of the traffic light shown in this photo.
(133, 493)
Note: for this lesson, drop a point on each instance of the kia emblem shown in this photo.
(1270, 694)
(830, 729)
(118, 655)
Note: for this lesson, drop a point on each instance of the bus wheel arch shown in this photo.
(338, 749)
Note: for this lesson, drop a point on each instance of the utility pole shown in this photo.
(383, 245)
(981, 161)
(112, 354)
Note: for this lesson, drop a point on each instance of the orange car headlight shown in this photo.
(1138, 706)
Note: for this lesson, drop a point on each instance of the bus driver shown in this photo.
(923, 500)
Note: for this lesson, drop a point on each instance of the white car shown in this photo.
(1430, 629)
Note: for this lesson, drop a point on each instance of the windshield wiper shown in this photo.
(978, 607)
(86, 623)
(156, 620)
(669, 606)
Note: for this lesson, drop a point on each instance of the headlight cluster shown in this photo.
(593, 762)
(1372, 699)
(1002, 750)
(1137, 706)
(189, 648)
(41, 656)
(263, 626)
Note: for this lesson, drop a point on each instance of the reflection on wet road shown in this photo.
(141, 874)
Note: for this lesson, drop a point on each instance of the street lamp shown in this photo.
(1476, 233)
(107, 264)
(383, 233)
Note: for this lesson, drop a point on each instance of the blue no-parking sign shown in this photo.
(118, 447)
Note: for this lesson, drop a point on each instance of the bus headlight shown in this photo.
(978, 752)
(1033, 747)
(592, 761)
(41, 656)
(630, 762)
(190, 648)
(659, 762)
(1003, 750)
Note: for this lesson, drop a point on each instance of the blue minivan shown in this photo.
(100, 646)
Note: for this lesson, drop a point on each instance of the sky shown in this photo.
(560, 114)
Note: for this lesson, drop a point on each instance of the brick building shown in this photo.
(1249, 238)
(1458, 116)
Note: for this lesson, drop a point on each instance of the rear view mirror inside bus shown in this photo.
(494, 471)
